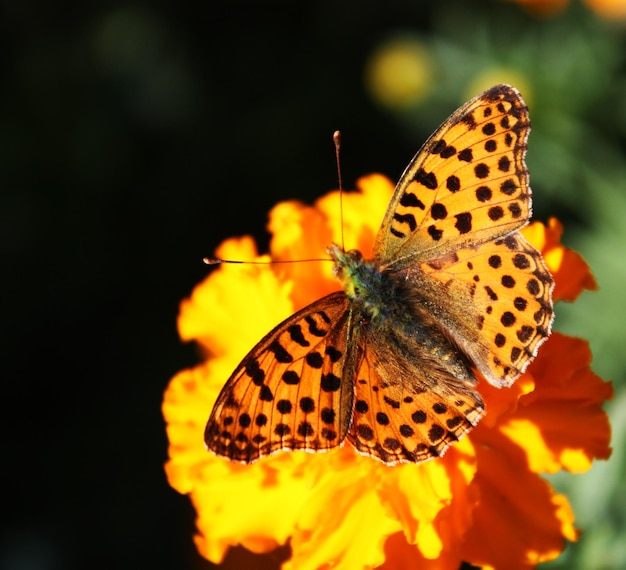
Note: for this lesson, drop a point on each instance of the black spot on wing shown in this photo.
(408, 219)
(410, 200)
(280, 353)
(313, 325)
(427, 179)
(295, 332)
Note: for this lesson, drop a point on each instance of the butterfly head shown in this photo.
(362, 280)
(346, 262)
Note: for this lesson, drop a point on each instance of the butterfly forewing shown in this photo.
(467, 184)
(287, 393)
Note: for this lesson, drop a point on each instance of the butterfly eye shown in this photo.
(346, 262)
(354, 255)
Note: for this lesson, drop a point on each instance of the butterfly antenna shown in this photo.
(219, 261)
(337, 141)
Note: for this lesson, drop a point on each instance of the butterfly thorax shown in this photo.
(388, 308)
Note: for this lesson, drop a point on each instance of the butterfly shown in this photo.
(389, 364)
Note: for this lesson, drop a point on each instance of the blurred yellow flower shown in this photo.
(609, 9)
(484, 502)
(399, 73)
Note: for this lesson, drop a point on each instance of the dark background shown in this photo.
(135, 137)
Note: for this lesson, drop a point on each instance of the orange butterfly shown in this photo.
(389, 363)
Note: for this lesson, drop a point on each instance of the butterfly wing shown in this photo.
(288, 392)
(468, 184)
(450, 232)
(407, 406)
(494, 300)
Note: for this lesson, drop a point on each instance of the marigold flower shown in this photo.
(484, 502)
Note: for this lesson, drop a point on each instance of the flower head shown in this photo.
(484, 502)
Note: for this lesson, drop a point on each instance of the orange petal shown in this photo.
(238, 504)
(415, 494)
(301, 233)
(185, 407)
(363, 212)
(561, 424)
(570, 271)
(524, 520)
(232, 308)
(343, 521)
(400, 555)
(499, 401)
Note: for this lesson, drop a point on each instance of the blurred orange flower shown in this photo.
(483, 503)
(609, 9)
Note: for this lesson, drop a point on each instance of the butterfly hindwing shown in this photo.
(404, 410)
(288, 392)
(494, 300)
(466, 185)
